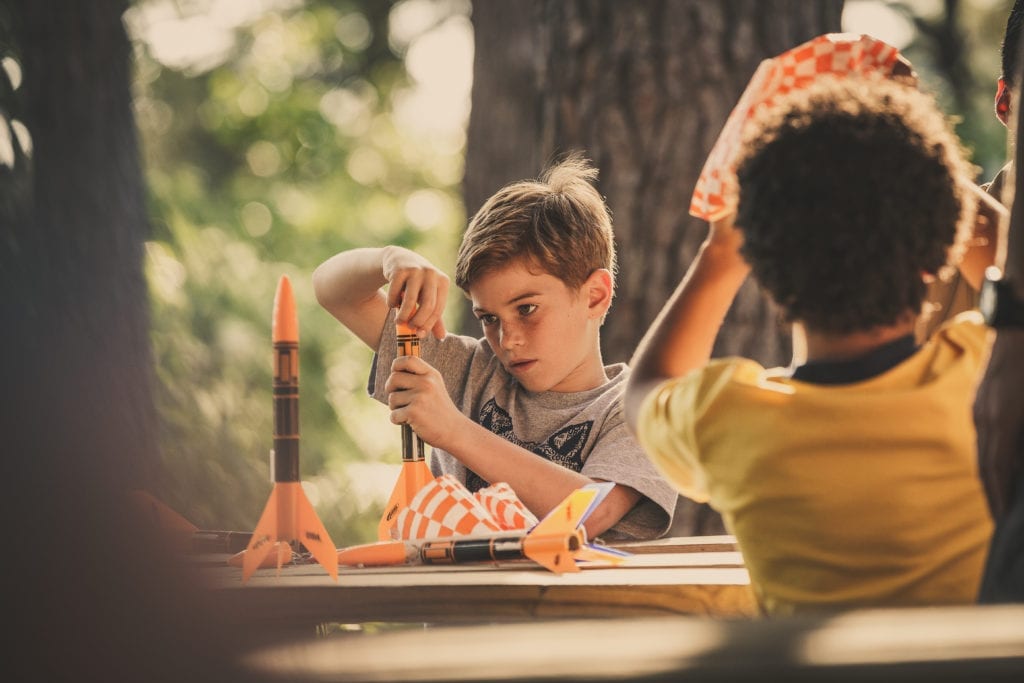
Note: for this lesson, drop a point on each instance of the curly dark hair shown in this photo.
(849, 191)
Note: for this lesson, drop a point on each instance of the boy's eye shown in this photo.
(487, 319)
(527, 309)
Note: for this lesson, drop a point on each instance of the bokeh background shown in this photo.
(276, 133)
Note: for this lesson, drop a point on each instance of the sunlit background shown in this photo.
(279, 132)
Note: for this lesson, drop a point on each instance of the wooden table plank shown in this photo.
(683, 544)
(968, 644)
(712, 583)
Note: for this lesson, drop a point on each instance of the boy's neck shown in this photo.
(829, 346)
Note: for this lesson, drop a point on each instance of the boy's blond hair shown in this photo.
(558, 223)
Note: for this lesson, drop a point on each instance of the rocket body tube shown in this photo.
(409, 345)
(286, 411)
(457, 551)
(285, 339)
(414, 474)
(436, 551)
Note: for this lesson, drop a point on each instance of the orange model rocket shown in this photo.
(556, 542)
(414, 473)
(289, 517)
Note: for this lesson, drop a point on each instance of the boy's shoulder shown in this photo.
(692, 392)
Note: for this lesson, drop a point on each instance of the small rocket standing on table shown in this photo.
(414, 473)
(288, 516)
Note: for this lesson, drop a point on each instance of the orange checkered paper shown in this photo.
(505, 507)
(838, 54)
(444, 507)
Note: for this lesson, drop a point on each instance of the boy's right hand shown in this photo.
(417, 288)
(723, 244)
(723, 232)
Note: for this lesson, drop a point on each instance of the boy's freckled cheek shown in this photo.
(491, 338)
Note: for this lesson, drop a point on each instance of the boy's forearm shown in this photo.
(539, 483)
(683, 335)
(348, 285)
(350, 276)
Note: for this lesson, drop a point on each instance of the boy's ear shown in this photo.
(598, 289)
(1003, 98)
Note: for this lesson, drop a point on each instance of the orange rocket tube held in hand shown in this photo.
(288, 517)
(414, 473)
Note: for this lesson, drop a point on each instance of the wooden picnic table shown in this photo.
(678, 608)
(699, 576)
(902, 645)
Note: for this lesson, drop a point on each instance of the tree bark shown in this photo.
(79, 421)
(643, 89)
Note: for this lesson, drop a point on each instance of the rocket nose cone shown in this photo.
(285, 323)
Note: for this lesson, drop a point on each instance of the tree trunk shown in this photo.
(79, 422)
(643, 89)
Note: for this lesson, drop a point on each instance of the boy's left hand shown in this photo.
(418, 397)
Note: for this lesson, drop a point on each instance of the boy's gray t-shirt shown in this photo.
(582, 431)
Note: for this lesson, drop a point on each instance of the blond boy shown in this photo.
(531, 403)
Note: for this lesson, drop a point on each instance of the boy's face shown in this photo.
(543, 333)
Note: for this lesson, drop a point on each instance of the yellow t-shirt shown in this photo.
(838, 495)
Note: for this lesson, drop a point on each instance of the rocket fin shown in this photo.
(263, 538)
(412, 477)
(313, 535)
(574, 510)
(382, 553)
(557, 539)
(596, 553)
(396, 502)
(282, 556)
(553, 550)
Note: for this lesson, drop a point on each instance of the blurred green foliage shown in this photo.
(279, 132)
(954, 46)
(270, 143)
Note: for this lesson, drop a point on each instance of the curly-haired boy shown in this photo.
(849, 479)
(531, 403)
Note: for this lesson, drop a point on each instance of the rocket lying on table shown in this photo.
(556, 542)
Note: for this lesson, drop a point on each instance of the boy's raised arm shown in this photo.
(349, 285)
(682, 336)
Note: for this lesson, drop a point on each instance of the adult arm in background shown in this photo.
(999, 403)
(981, 247)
